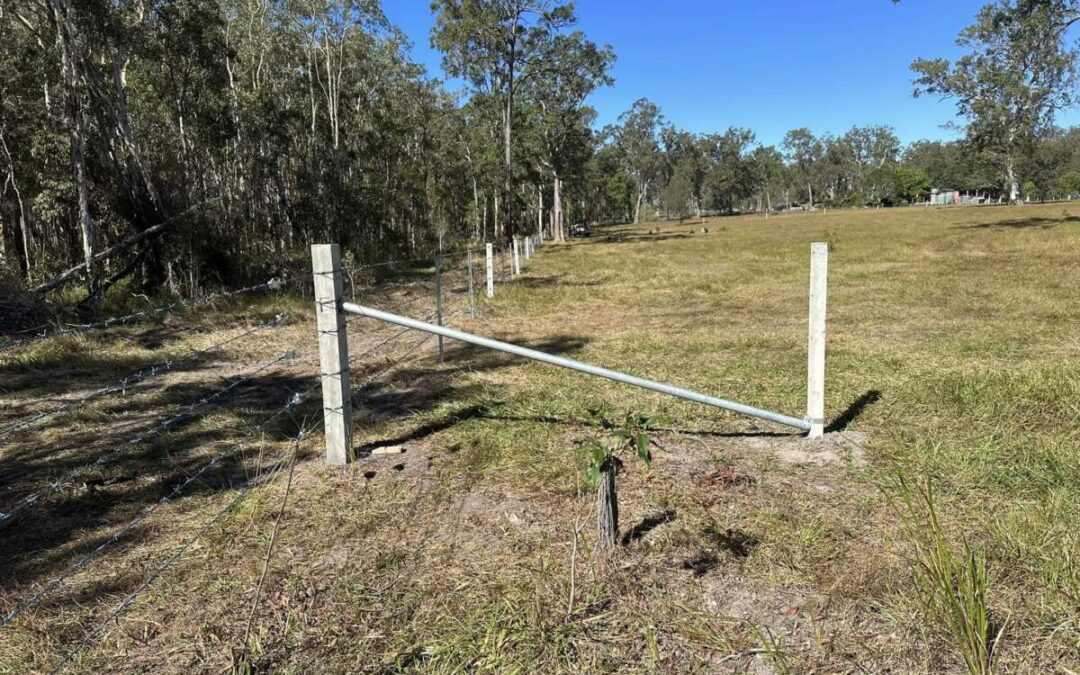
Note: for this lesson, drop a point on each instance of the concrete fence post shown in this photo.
(472, 296)
(815, 377)
(333, 353)
(490, 271)
(438, 299)
(516, 260)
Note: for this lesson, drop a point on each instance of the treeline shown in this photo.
(170, 145)
(675, 173)
(249, 127)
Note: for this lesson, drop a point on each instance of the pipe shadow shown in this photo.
(583, 422)
(423, 431)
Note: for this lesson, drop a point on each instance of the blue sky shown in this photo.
(768, 65)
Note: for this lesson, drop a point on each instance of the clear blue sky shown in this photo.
(768, 65)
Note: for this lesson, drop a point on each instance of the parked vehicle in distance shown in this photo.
(581, 229)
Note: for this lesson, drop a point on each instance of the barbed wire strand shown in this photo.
(276, 283)
(272, 284)
(166, 564)
(135, 378)
(169, 562)
(293, 401)
(134, 596)
(54, 486)
(241, 494)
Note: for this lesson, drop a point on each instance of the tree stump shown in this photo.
(607, 505)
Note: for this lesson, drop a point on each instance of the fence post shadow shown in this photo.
(853, 411)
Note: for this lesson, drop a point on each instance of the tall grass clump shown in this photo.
(951, 586)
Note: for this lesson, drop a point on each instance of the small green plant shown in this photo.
(951, 587)
(603, 454)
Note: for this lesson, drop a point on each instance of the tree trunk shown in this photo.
(640, 199)
(22, 234)
(607, 506)
(1010, 175)
(76, 136)
(558, 230)
(540, 210)
(508, 165)
(476, 209)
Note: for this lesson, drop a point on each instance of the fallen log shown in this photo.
(149, 232)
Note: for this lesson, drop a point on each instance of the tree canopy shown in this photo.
(167, 145)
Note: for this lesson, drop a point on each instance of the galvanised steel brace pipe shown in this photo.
(535, 355)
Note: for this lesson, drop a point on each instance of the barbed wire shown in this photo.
(424, 317)
(276, 283)
(272, 284)
(167, 563)
(408, 261)
(401, 358)
(28, 501)
(135, 378)
(294, 400)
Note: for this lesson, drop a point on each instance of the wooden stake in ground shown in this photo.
(607, 505)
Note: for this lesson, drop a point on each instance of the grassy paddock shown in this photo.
(953, 362)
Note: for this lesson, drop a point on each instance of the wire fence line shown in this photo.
(167, 563)
(39, 495)
(294, 400)
(275, 284)
(449, 297)
(71, 329)
(427, 337)
(137, 377)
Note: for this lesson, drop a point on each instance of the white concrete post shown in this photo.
(333, 353)
(815, 377)
(438, 299)
(472, 295)
(490, 271)
(516, 269)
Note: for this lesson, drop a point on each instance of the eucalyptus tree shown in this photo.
(729, 179)
(1020, 70)
(204, 141)
(805, 152)
(637, 139)
(766, 167)
(688, 163)
(575, 68)
(872, 150)
(497, 46)
(608, 190)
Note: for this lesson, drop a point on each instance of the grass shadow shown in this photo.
(1024, 223)
(48, 535)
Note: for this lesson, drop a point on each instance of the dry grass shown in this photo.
(953, 359)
